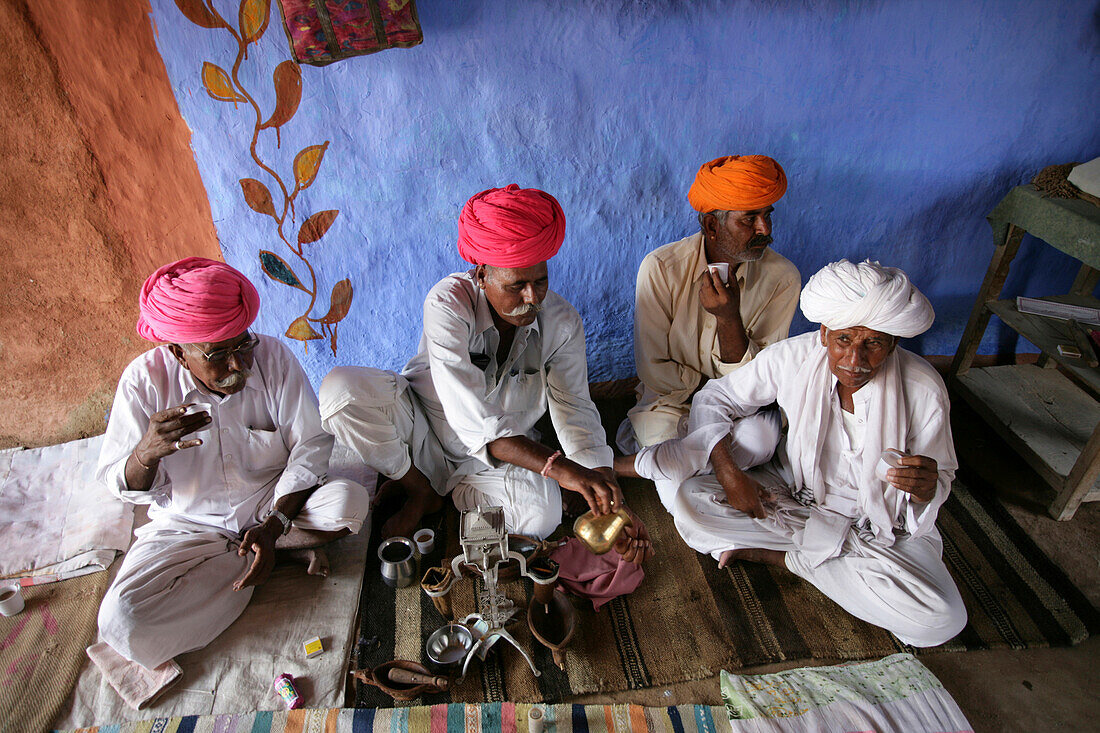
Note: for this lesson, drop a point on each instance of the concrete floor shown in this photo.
(1001, 690)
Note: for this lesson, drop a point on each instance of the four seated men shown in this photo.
(219, 431)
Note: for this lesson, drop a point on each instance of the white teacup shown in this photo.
(722, 269)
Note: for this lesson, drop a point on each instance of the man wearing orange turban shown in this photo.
(499, 349)
(705, 305)
(217, 431)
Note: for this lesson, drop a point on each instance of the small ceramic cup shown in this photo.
(722, 269)
(425, 540)
(11, 598)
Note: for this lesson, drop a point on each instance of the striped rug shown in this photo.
(688, 620)
(457, 718)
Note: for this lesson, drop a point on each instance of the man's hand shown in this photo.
(260, 540)
(165, 429)
(598, 490)
(634, 544)
(742, 491)
(721, 300)
(917, 476)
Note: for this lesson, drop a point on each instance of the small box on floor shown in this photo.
(313, 646)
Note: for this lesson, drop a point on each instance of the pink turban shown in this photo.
(510, 227)
(737, 183)
(196, 300)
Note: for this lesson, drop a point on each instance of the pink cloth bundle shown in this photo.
(599, 578)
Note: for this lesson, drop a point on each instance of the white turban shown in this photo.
(843, 295)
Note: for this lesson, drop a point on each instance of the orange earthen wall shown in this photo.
(98, 187)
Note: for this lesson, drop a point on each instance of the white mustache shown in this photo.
(856, 370)
(524, 310)
(233, 380)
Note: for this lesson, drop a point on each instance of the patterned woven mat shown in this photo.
(487, 718)
(689, 619)
(43, 650)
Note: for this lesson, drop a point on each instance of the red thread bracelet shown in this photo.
(550, 462)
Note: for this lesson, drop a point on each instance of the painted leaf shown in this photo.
(197, 12)
(301, 330)
(277, 269)
(253, 16)
(315, 226)
(218, 85)
(307, 163)
(288, 93)
(340, 303)
(257, 197)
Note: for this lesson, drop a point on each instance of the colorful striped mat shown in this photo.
(453, 718)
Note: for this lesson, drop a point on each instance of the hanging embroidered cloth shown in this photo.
(323, 31)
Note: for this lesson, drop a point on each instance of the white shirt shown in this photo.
(262, 443)
(471, 400)
(676, 339)
(776, 375)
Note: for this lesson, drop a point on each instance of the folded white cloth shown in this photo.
(135, 684)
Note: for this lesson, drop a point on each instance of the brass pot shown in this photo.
(600, 533)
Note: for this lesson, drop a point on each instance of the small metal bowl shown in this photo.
(448, 646)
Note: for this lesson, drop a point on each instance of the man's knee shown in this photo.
(358, 385)
(942, 618)
(755, 438)
(339, 504)
(534, 517)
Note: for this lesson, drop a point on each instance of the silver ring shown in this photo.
(177, 445)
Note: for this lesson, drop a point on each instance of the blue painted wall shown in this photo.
(900, 124)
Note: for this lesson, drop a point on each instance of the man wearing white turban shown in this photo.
(863, 533)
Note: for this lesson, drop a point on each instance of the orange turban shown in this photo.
(510, 227)
(737, 183)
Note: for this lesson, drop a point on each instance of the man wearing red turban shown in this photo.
(218, 432)
(499, 349)
(705, 305)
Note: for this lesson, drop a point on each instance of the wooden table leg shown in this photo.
(991, 289)
(1079, 482)
(1086, 281)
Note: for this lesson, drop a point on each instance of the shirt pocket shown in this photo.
(523, 390)
(264, 450)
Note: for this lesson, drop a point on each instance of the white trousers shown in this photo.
(174, 591)
(376, 414)
(904, 588)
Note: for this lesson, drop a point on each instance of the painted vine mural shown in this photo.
(253, 17)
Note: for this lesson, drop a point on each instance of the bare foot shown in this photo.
(753, 554)
(418, 502)
(314, 558)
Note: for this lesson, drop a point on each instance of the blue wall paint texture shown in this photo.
(900, 125)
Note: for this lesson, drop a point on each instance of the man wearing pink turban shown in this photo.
(499, 349)
(218, 432)
(705, 305)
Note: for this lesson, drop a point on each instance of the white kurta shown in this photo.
(174, 590)
(676, 340)
(828, 522)
(454, 398)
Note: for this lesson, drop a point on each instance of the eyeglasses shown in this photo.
(243, 349)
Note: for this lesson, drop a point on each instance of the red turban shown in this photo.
(510, 227)
(737, 183)
(196, 300)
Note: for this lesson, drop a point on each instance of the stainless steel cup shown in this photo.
(398, 558)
